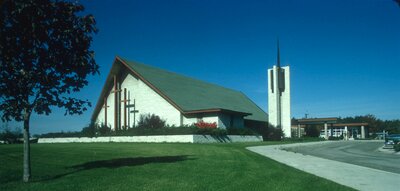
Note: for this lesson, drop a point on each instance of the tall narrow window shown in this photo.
(281, 80)
(272, 80)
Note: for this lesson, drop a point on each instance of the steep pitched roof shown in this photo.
(194, 96)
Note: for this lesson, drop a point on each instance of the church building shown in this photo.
(133, 89)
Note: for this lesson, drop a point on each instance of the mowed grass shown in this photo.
(145, 166)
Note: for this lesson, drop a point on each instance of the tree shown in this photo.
(374, 124)
(10, 135)
(151, 121)
(44, 57)
(312, 131)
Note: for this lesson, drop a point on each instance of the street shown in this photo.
(363, 153)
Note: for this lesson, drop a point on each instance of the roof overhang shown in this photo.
(350, 124)
(311, 121)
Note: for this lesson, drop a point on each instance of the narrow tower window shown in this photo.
(282, 80)
(272, 80)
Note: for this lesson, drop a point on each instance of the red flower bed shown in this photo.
(204, 125)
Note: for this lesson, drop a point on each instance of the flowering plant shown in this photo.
(203, 125)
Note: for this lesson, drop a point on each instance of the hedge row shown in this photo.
(101, 131)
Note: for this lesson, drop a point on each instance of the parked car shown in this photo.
(391, 140)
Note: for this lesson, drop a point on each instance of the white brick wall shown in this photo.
(189, 121)
(147, 102)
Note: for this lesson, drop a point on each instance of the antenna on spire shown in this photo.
(279, 56)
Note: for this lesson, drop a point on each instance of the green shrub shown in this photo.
(10, 136)
(312, 131)
(274, 134)
(102, 129)
(185, 130)
(211, 131)
(240, 131)
(90, 130)
(150, 121)
(335, 138)
(396, 147)
(269, 133)
(151, 125)
(61, 134)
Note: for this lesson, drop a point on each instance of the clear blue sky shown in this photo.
(344, 55)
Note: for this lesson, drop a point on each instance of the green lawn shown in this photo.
(145, 166)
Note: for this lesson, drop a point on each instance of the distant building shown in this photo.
(329, 128)
(132, 89)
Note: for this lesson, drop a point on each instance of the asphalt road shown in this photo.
(360, 153)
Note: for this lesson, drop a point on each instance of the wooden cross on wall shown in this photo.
(134, 111)
(125, 106)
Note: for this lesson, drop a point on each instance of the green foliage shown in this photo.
(269, 133)
(392, 126)
(211, 131)
(396, 147)
(90, 130)
(11, 136)
(240, 131)
(95, 130)
(274, 134)
(156, 131)
(61, 134)
(154, 125)
(331, 138)
(312, 131)
(374, 124)
(44, 56)
(102, 129)
(151, 121)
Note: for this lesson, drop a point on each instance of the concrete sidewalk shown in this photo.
(357, 177)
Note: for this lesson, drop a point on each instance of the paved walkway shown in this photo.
(357, 177)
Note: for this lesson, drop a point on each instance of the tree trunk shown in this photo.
(27, 149)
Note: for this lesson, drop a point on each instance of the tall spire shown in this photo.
(279, 56)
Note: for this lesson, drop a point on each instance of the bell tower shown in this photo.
(279, 96)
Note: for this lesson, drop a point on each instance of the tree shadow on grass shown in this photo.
(123, 162)
(120, 162)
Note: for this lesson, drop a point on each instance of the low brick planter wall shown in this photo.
(155, 139)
